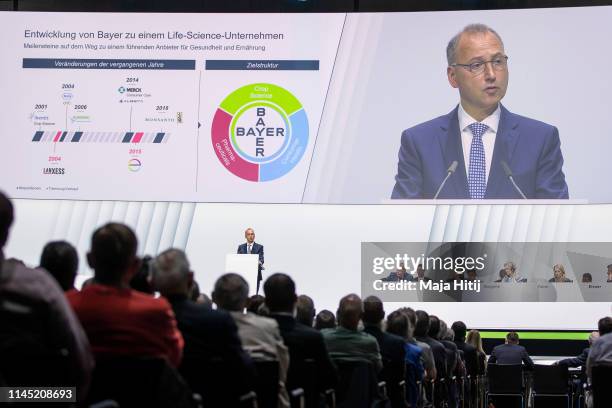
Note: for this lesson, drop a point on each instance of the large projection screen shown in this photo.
(192, 127)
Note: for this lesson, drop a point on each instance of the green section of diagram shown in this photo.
(261, 92)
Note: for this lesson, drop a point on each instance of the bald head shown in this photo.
(350, 311)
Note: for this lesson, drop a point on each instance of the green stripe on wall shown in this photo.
(538, 335)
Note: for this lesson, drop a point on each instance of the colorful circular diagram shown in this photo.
(260, 132)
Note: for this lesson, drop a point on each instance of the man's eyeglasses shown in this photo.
(477, 68)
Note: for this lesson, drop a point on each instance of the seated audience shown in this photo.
(601, 350)
(34, 291)
(305, 310)
(511, 353)
(118, 320)
(427, 358)
(346, 342)
(142, 279)
(581, 359)
(325, 320)
(260, 336)
(210, 336)
(304, 342)
(254, 303)
(61, 260)
(421, 333)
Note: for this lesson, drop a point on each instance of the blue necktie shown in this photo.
(477, 180)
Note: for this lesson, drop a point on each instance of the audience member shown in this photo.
(142, 279)
(35, 291)
(511, 352)
(421, 333)
(601, 350)
(454, 364)
(346, 342)
(210, 335)
(117, 319)
(254, 303)
(435, 326)
(427, 358)
(473, 338)
(260, 336)
(581, 359)
(399, 324)
(61, 260)
(305, 310)
(559, 274)
(325, 320)
(392, 345)
(304, 342)
(470, 355)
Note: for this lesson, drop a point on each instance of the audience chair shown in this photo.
(505, 381)
(267, 383)
(358, 386)
(601, 386)
(303, 375)
(550, 382)
(139, 382)
(394, 375)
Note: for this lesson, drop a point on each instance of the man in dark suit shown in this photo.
(213, 357)
(480, 135)
(511, 353)
(252, 247)
(392, 347)
(469, 352)
(421, 331)
(304, 343)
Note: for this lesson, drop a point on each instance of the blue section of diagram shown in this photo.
(293, 153)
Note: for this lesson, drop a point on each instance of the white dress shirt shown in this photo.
(488, 138)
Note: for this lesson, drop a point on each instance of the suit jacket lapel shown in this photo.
(450, 142)
(505, 144)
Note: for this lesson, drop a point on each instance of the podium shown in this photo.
(246, 265)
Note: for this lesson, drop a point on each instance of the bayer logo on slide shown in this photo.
(260, 132)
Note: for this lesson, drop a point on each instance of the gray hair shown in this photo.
(451, 48)
(170, 270)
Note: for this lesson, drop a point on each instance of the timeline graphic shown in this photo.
(260, 132)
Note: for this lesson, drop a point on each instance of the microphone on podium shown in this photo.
(508, 172)
(451, 170)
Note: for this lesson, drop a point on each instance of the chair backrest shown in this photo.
(30, 354)
(138, 382)
(505, 379)
(551, 379)
(600, 382)
(394, 375)
(215, 380)
(303, 374)
(267, 383)
(357, 384)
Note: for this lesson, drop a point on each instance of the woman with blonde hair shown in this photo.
(559, 274)
(473, 338)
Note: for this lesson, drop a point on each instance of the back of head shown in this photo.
(434, 327)
(604, 325)
(279, 290)
(305, 310)
(171, 273)
(410, 314)
(141, 281)
(443, 331)
(350, 311)
(373, 311)
(325, 320)
(473, 338)
(60, 258)
(113, 252)
(460, 329)
(231, 292)
(6, 218)
(422, 324)
(254, 303)
(398, 324)
(512, 338)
